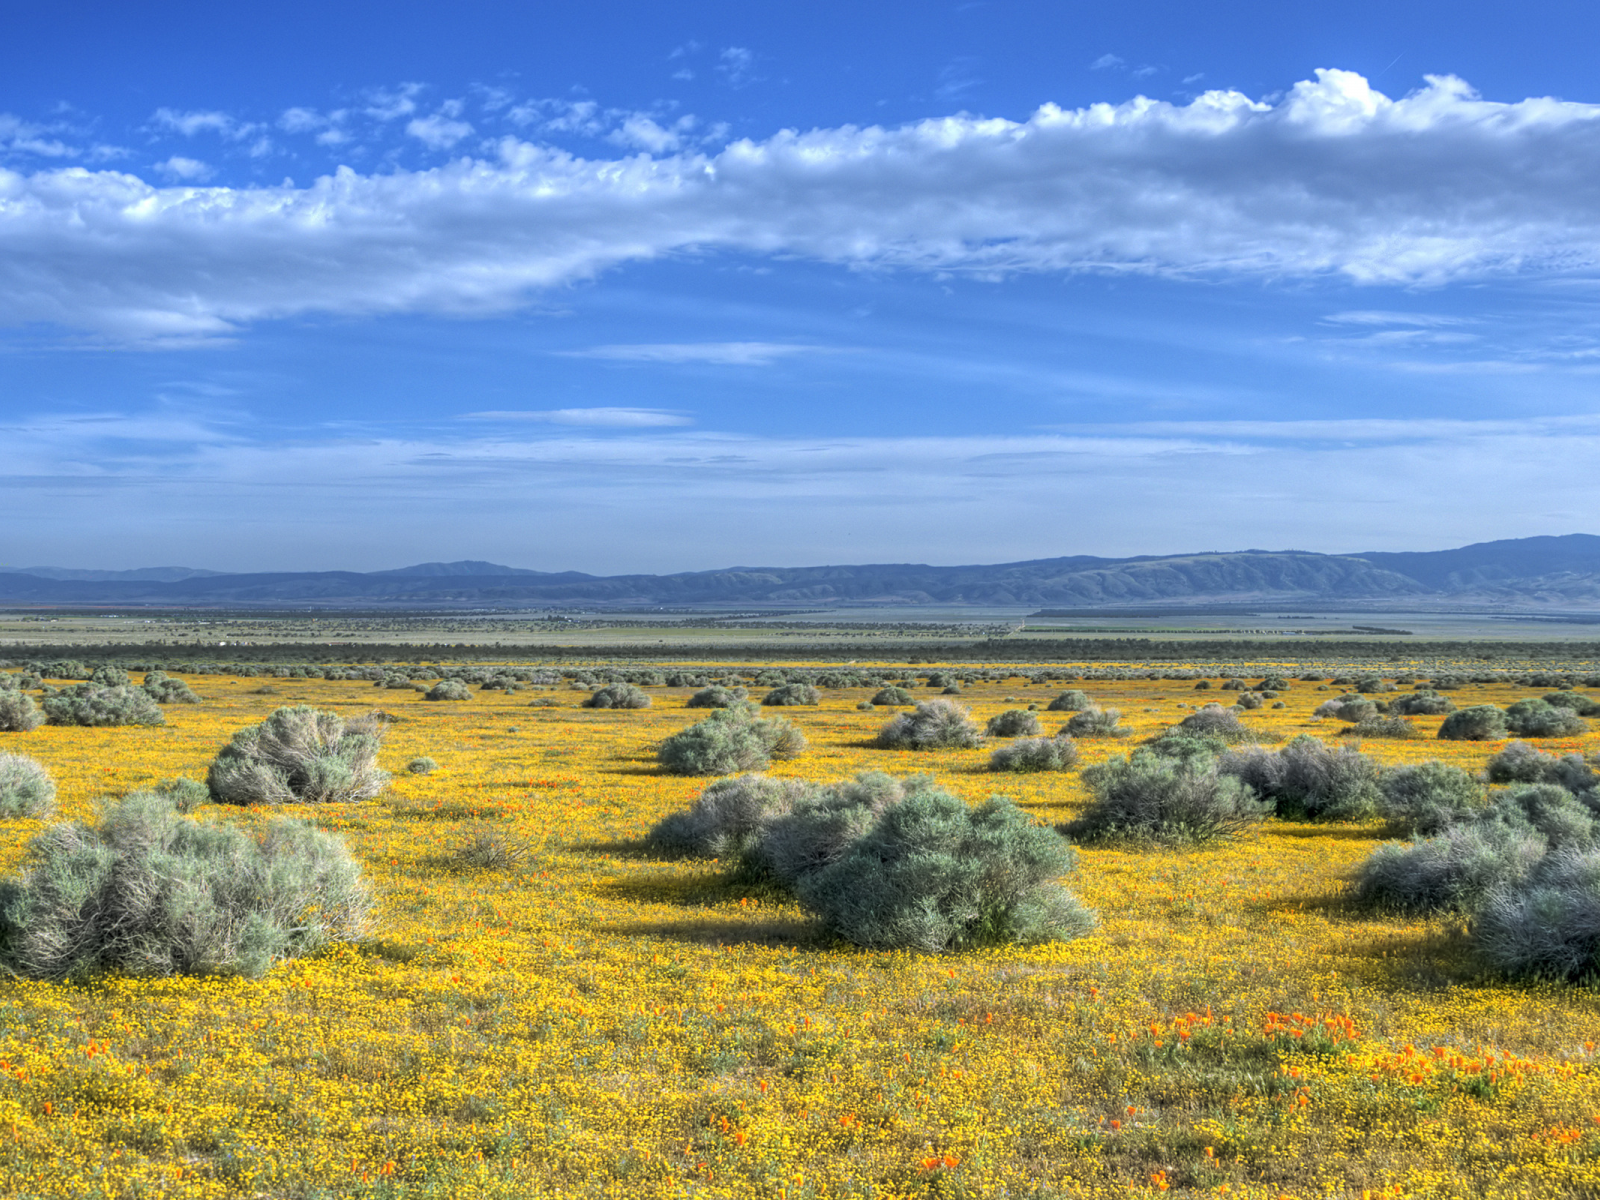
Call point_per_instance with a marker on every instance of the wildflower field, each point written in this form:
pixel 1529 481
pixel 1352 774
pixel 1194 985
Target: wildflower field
pixel 585 1019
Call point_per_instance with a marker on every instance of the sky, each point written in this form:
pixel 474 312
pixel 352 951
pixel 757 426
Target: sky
pixel 625 287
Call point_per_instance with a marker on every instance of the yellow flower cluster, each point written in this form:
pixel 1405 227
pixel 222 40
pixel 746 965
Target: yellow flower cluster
pixel 594 1021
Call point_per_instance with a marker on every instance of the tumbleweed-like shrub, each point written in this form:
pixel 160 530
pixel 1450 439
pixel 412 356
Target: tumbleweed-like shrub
pixel 932 725
pixel 1212 721
pixel 716 696
pixel 1424 703
pixel 893 696
pixel 1071 700
pixel 1547 924
pixel 448 689
pixel 149 892
pixel 1430 797
pixel 1094 722
pixel 792 694
pixel 26 789
pixel 1350 708
pixel 1456 869
pixel 90 704
pixel 824 822
pixel 18 712
pixel 300 755
pixel 1149 797
pixel 422 765
pixel 1014 722
pixel 726 820
pixel 1480 723
pixel 1308 778
pixel 618 695
pixel 933 875
pixel 728 741
pixel 1057 753
pixel 1536 718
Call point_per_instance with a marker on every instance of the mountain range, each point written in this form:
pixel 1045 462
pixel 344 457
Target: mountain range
pixel 1535 571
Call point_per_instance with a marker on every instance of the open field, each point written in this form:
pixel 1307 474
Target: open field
pixel 596 1021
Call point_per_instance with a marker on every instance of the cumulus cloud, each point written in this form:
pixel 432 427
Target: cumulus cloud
pixel 1334 178
pixel 609 418
pixel 740 354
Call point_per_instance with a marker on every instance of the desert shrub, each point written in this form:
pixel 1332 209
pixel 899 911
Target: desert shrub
pixel 1094 722
pixel 893 696
pixel 1212 721
pixel 1273 683
pixel 149 892
pixel 792 694
pixel 109 677
pixel 1536 718
pixel 726 820
pixel 1429 797
pixel 89 704
pixel 1576 701
pixel 300 755
pixel 1522 763
pixel 26 789
pixel 1424 703
pixel 1546 924
pixel 185 795
pixel 1150 797
pixel 1547 808
pixel 448 689
pixel 1480 723
pixel 163 689
pixel 1235 685
pixel 953 690
pixel 1369 684
pixel 824 822
pixel 716 696
pixel 422 765
pixel 932 725
pixel 1203 686
pixel 1248 700
pixel 1014 722
pixel 1070 701
pixel 1308 778
pixel 933 875
pixel 1347 708
pixel 728 741
pixel 492 850
pixel 1057 753
pixel 618 695
pixel 18 712
pixel 1385 727
pixel 1457 869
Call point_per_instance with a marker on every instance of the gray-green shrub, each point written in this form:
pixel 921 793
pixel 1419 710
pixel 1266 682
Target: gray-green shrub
pixel 1057 753
pixel 164 689
pixel 792 694
pixel 422 765
pixel 1307 778
pixel 1385 727
pixel 726 819
pixel 933 875
pixel 448 689
pixel 1583 705
pixel 300 755
pixel 716 696
pixel 90 704
pixel 1071 700
pixel 18 712
pixel 1212 721
pixel 618 695
pixel 149 892
pixel 1480 723
pixel 893 697
pixel 26 789
pixel 932 725
pixel 1546 924
pixel 1347 708
pixel 1094 722
pixel 1456 869
pixel 185 795
pixel 1430 797
pixel 1149 797
pixel 1536 718
pixel 728 741
pixel 1014 722
pixel 1422 703
pixel 109 676
pixel 823 822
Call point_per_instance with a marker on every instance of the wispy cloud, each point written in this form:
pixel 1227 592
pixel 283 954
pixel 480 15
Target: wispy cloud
pixel 606 418
pixel 732 354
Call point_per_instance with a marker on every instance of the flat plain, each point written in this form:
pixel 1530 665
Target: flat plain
pixel 593 1020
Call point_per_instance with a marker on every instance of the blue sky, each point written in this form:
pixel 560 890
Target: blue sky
pixel 622 287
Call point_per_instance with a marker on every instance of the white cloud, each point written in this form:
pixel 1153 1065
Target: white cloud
pixel 1379 317
pixel 742 354
pixel 390 104
pixel 1106 61
pixel 301 120
pixel 1333 179
pixel 27 137
pixel 609 418
pixel 643 133
pixel 438 132
pixel 736 65
pixel 191 170
pixel 191 123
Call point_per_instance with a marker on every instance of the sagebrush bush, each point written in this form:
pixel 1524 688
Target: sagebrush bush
pixel 1422 703
pixel 1248 700
pixel 1547 808
pixel 822 823
pixel 1150 797
pixel 1456 869
pixel 149 892
pixel 1094 722
pixel 1014 722
pixel 109 677
pixel 1480 723
pixel 26 789
pixel 716 696
pixel 792 694
pixel 1547 924
pixel 492 850
pixel 90 704
pixel 164 689
pixel 1522 763
pixel 1347 708
pixel 1583 705
pixel 728 741
pixel 618 695
pixel 933 875
pixel 1385 727
pixel 1212 721
pixel 422 765
pixel 1307 778
pixel 448 689
pixel 1070 701
pixel 185 795
pixel 1536 718
pixel 300 755
pixel 18 712
pixel 1057 753
pixel 894 697
pixel 932 725
pixel 1430 797
pixel 1369 684
pixel 726 820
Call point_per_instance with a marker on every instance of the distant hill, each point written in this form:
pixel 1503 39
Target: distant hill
pixel 1537 571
